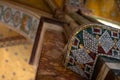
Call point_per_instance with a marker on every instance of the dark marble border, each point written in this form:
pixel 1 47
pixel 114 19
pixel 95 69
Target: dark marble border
pixel 42 20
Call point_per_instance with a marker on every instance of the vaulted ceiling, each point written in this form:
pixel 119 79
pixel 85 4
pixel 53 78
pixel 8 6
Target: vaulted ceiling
pixel 108 9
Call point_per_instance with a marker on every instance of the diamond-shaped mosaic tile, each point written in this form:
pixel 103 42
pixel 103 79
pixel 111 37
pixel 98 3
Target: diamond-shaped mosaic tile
pixel 71 60
pixel 96 30
pixel 82 56
pixel 90 42
pixel 106 41
pixel 116 53
pixel 114 34
pixel 88 69
pixel 75 42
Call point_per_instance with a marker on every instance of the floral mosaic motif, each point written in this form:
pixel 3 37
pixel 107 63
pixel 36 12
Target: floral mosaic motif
pixel 106 41
pixel 7 15
pixel 26 23
pixel 77 70
pixel 82 56
pixel 16 18
pixel 90 42
pixel 75 42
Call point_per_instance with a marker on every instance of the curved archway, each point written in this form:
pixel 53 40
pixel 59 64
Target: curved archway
pixel 19 19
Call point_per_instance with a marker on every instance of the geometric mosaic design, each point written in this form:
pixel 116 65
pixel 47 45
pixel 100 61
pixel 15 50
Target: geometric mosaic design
pixel 118 44
pixel 97 30
pixel 114 34
pixel 82 56
pixel 88 69
pixel 116 53
pixel 76 42
pixel 71 60
pixel 106 41
pixel 90 42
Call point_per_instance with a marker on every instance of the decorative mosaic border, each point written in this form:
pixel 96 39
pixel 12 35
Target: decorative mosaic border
pixel 22 22
pixel 109 33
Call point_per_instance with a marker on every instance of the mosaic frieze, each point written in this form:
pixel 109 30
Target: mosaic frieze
pixel 7 15
pixel 90 41
pixel 25 23
pixel 16 18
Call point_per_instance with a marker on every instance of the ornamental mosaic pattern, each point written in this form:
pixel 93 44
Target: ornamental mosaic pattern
pixel 76 42
pixel 116 53
pixel 82 56
pixel 91 41
pixel 7 15
pixel 118 44
pixel 16 18
pixel 25 23
pixel 88 69
pixel 106 41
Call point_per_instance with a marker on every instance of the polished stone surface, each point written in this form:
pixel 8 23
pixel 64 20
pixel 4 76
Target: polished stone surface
pixel 51 62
